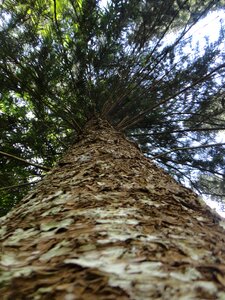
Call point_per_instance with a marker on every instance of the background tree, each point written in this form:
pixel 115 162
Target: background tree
pixel 61 62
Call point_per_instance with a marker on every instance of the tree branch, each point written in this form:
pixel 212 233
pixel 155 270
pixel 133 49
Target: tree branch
pixel 64 53
pixel 177 131
pixel 25 161
pixel 186 148
pixel 18 185
pixel 214 194
pixel 186 176
pixel 55 13
pixel 177 162
pixel 142 114
pixel 106 110
pixel 110 106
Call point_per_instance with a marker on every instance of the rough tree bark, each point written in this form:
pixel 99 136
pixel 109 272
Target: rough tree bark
pixel 106 223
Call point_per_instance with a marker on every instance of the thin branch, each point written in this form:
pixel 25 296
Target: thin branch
pixel 194 167
pixel 75 11
pixel 55 13
pixel 117 102
pixel 186 148
pixel 184 175
pixel 163 54
pixel 141 115
pixel 25 161
pixel 13 78
pixel 18 185
pixel 213 194
pixel 177 131
pixel 67 62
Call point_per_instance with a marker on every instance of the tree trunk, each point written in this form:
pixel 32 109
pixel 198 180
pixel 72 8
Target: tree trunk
pixel 106 223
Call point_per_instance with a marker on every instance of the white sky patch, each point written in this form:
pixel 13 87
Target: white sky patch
pixel 30 115
pixel 221 137
pixel 215 205
pixel 208 27
pixel 103 3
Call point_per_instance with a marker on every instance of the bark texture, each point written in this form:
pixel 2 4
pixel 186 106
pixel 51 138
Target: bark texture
pixel 106 223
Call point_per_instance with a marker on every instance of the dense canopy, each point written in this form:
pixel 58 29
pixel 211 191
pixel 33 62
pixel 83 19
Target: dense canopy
pixel 131 62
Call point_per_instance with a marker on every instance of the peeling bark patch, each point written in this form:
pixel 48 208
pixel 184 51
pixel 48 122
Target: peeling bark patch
pixel 106 223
